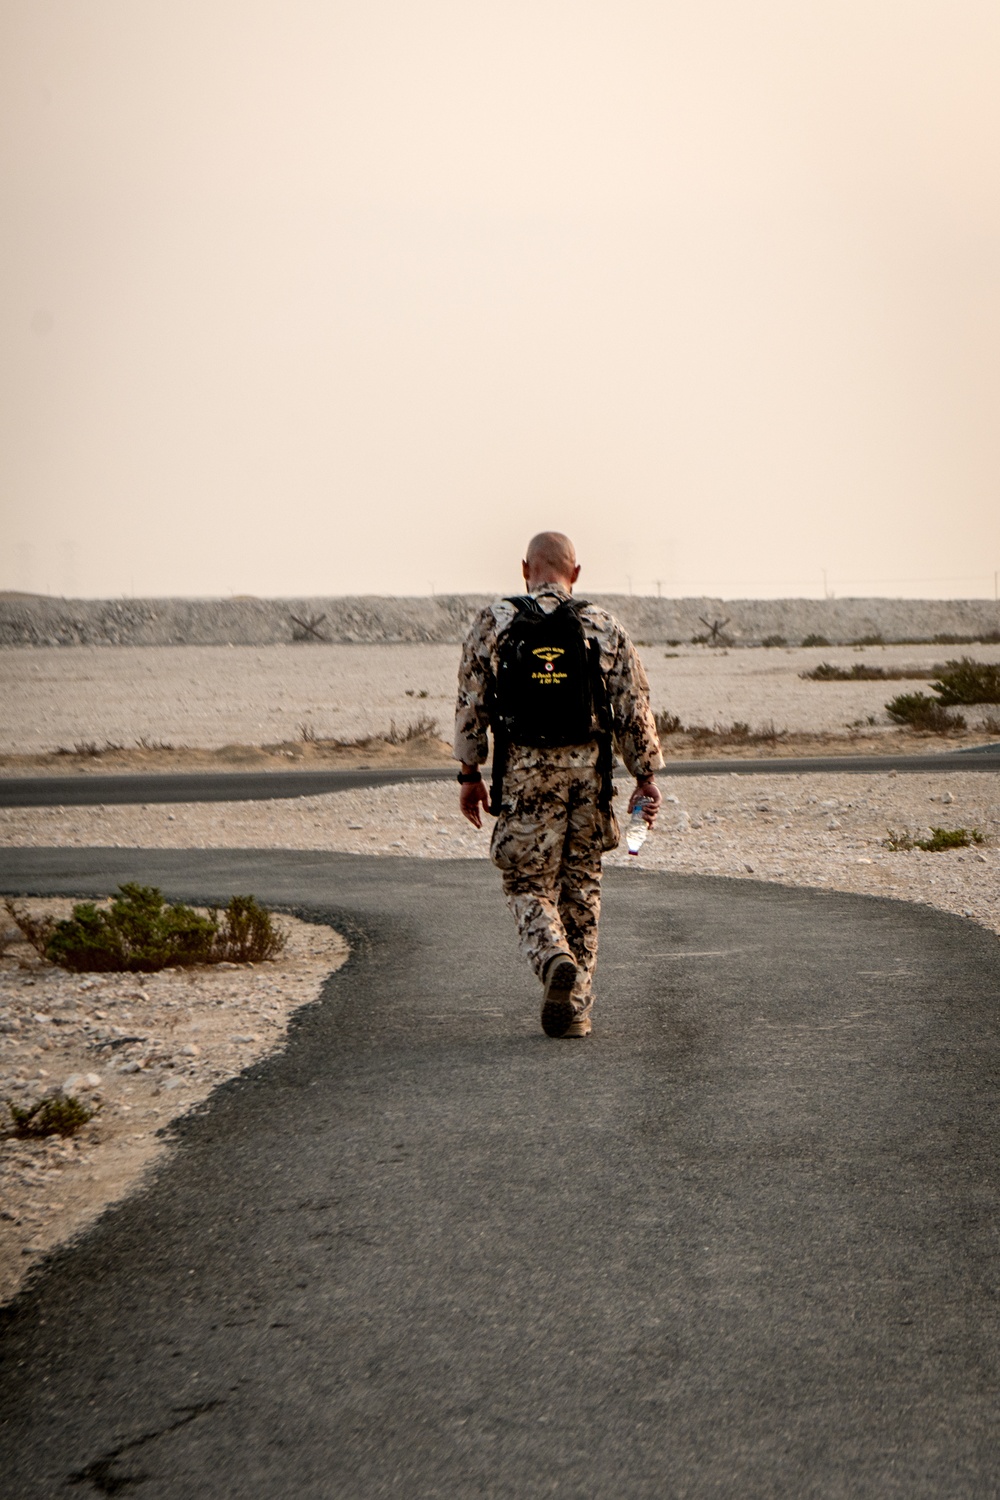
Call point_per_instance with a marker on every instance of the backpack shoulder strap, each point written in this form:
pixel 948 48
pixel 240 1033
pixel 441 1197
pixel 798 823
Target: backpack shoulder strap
pixel 524 604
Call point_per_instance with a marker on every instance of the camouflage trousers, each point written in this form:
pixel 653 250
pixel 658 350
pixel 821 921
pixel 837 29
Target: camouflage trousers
pixel 547 843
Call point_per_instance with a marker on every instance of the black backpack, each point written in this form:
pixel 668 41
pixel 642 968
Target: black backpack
pixel 544 691
pixel 549 689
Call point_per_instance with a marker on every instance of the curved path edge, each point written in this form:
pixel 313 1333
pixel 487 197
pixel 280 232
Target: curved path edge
pixel 740 1242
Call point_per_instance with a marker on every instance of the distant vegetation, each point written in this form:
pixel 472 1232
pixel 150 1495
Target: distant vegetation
pixel 918 711
pixel 961 681
pixel 737 733
pixel 861 671
pixel 968 681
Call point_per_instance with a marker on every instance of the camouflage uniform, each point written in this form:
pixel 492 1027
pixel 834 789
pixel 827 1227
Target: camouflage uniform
pixel 551 831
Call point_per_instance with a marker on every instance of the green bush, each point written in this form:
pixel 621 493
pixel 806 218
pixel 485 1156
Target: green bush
pixel 968 681
pixel 245 933
pixel 940 840
pixel 141 932
pixel 56 1114
pixel 950 838
pixel 921 712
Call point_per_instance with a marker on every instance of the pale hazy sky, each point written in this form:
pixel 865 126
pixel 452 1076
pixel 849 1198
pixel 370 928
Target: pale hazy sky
pixel 306 296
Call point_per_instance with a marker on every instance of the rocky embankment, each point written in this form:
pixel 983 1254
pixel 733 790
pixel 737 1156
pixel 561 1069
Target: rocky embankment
pixel 39 620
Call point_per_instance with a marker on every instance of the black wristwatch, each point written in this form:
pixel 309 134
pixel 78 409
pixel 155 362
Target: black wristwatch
pixel 469 778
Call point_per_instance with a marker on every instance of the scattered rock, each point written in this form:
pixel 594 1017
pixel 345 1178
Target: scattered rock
pixel 77 1081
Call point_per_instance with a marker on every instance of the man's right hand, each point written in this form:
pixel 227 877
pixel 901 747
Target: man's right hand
pixel 471 798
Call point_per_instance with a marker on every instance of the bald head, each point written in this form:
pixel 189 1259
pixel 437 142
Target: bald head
pixel 550 558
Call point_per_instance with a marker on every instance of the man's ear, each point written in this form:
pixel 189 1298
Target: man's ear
pixel 576 573
pixel 525 573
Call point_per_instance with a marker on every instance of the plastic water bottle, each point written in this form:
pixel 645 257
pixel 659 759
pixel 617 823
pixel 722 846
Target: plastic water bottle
pixel 638 829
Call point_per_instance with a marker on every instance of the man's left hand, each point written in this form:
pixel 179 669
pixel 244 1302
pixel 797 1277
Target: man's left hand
pixel 648 789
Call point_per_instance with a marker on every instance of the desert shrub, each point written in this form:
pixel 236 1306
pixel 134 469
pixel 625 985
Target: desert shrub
pixel 667 723
pixel 951 838
pixel 140 932
pixel 774 640
pixel 940 840
pixel 56 1114
pixel 968 681
pixel 897 842
pixel 870 640
pixel 245 933
pixel 918 711
pixel 862 672
pixel 986 638
pixel 424 728
pixel 991 724
pixel 713 638
pixel 36 930
pixel 737 733
pixel 815 640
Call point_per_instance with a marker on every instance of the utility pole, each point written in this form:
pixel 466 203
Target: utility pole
pixel 659 587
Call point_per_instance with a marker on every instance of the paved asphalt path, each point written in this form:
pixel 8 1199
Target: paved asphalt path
pixel 742 1242
pixel 259 786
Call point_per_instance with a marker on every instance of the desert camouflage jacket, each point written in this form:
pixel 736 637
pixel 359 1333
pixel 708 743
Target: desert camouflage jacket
pixel 628 686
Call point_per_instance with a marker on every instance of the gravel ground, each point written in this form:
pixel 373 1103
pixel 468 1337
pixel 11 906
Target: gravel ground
pixel 210 696
pixel 820 830
pixel 143 1049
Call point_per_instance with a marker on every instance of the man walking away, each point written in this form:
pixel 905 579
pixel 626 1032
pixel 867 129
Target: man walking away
pixel 555 681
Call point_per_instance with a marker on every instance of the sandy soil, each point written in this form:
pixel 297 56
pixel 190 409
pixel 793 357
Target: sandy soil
pixel 142 1049
pixel 214 696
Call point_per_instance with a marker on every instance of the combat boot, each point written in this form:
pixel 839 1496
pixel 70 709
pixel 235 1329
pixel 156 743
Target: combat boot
pixel 558 1010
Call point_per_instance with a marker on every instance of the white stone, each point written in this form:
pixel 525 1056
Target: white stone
pixel 189 1049
pixel 77 1081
